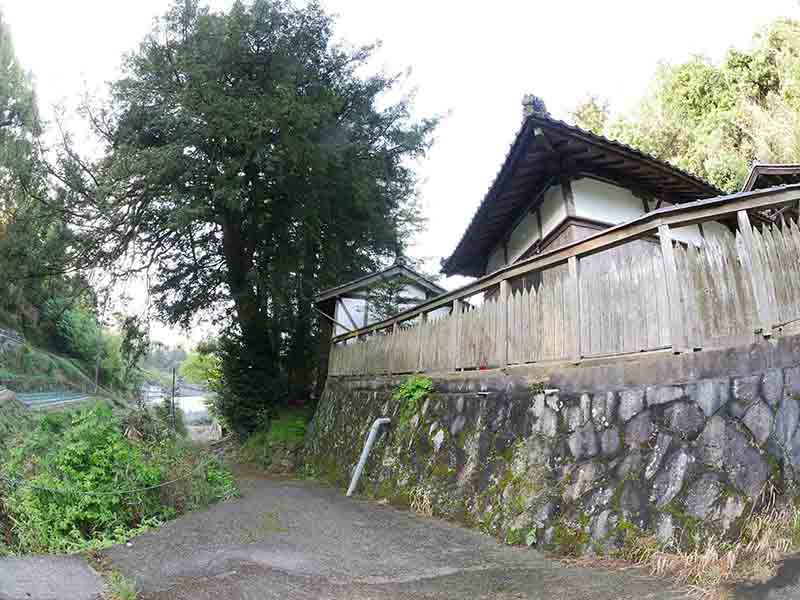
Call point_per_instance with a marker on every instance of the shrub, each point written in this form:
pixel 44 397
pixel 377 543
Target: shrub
pixel 80 483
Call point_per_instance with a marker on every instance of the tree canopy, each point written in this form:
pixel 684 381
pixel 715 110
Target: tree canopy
pixel 251 160
pixel 715 120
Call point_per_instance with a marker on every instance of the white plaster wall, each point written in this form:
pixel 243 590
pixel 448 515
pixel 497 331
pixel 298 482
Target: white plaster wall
pixel 712 228
pixel 552 209
pixel 356 307
pixel 523 236
pixel 438 313
pixel 689 234
pixel 605 203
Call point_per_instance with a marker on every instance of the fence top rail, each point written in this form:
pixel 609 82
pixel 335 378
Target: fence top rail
pixel 679 215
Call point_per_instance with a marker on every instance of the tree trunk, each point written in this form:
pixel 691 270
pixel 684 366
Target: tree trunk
pixel 240 267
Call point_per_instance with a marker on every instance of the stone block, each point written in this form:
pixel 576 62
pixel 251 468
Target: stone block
pixel 583 442
pixel 609 442
pixel 772 386
pixel 457 426
pixel 669 481
pixel 746 389
pixel 665 529
pixel 547 424
pixel 725 447
pixel 633 502
pixel 603 524
pixel 703 494
pixel 685 419
pixel 786 419
pixel 631 403
pixel 711 443
pixel 791 380
pixel 599 500
pixel 630 465
pixel 759 420
pixel 663 394
pixel 604 409
pixel 638 430
pixel 575 416
pixel 657 455
pixel 584 478
pixel 711 394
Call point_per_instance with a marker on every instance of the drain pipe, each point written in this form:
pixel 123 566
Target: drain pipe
pixel 373 434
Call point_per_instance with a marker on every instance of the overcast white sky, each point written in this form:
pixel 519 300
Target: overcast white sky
pixel 470 60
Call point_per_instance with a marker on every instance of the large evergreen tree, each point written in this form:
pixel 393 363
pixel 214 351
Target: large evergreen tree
pixel 252 163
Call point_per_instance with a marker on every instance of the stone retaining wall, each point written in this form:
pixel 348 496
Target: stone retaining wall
pixel 671 445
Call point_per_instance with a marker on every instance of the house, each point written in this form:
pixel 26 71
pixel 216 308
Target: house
pixel 586 248
pixel 559 184
pixel 370 298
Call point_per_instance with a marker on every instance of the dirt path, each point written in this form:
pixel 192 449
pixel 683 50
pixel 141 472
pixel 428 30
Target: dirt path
pixel 292 540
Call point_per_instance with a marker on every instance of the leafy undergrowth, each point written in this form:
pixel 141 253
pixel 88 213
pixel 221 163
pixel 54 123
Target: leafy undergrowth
pixel 277 448
pixel 88 479
pixel 714 565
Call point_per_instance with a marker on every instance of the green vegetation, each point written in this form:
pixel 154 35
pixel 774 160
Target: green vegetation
pixel 121 587
pixel 325 193
pixel 276 447
pixel 410 394
pixel 201 368
pixel 88 479
pixel 715 120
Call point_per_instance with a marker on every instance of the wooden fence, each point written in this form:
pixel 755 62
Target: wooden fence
pixel 596 299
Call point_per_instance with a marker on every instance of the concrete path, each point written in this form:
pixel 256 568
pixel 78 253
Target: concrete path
pixel 48 578
pixel 299 540
pixel 784 586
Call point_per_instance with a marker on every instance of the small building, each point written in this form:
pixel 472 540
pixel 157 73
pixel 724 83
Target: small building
pixel 560 183
pixel 366 300
pixel 375 296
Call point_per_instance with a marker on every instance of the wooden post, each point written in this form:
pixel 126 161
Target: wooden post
pixel 423 319
pixel 755 267
pixel 505 288
pixel 393 349
pixel 575 307
pixel 455 352
pixel 677 329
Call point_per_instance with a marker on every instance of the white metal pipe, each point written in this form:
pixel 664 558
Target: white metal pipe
pixel 373 434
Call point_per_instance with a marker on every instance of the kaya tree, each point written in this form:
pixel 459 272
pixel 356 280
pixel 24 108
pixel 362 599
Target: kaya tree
pixel 251 162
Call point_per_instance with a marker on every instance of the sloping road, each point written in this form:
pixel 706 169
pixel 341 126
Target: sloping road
pixel 293 540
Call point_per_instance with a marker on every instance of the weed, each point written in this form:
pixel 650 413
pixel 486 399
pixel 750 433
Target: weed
pixel 410 394
pixel 421 502
pixel 121 587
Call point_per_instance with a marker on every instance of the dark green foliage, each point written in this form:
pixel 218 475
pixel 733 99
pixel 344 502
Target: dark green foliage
pixel 282 440
pixel 79 482
pixel 411 393
pixel 173 419
pixel 255 161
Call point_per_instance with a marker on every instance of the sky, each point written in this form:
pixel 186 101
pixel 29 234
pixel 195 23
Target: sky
pixel 470 62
